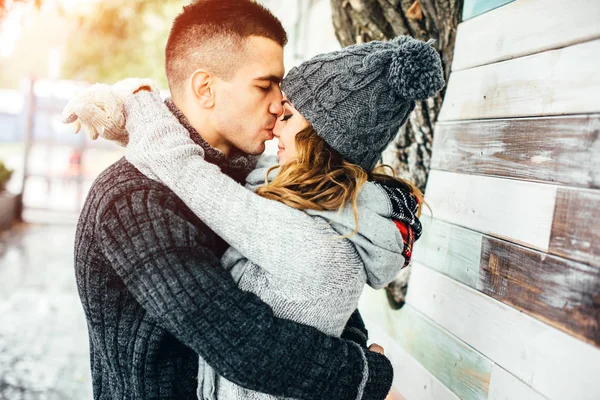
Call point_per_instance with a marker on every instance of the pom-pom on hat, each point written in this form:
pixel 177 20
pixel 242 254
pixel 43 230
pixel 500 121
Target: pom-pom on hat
pixel 357 98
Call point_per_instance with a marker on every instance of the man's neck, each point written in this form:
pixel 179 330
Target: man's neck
pixel 236 165
pixel 210 136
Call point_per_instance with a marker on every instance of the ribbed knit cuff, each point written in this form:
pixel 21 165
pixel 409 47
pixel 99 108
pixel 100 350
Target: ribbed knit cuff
pixel 145 107
pixel 356 330
pixel 355 335
pixel 381 375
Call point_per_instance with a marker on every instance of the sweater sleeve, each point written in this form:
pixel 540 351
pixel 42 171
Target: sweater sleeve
pixel 355 330
pixel 165 261
pixel 286 242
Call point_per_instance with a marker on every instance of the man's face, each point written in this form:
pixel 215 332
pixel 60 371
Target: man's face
pixel 247 106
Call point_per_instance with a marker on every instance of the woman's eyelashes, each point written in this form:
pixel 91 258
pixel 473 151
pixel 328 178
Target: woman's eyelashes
pixel 286 117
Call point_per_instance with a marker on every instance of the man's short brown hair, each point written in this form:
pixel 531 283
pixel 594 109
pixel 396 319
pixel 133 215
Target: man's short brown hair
pixel 210 34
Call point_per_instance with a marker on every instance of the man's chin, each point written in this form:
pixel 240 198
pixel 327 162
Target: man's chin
pixel 258 150
pixel 255 150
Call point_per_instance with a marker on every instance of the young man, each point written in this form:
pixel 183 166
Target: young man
pixel 148 271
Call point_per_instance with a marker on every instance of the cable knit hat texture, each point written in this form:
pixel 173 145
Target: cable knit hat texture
pixel 357 98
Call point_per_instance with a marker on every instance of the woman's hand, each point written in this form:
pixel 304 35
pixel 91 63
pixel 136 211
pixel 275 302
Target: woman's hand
pixel 393 394
pixel 99 109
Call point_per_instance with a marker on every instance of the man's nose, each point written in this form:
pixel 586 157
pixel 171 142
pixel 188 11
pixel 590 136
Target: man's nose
pixel 276 108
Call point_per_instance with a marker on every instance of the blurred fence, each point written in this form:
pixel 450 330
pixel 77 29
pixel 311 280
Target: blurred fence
pixel 54 168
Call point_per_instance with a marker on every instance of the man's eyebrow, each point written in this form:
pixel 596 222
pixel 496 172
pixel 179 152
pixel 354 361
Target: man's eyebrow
pixel 273 78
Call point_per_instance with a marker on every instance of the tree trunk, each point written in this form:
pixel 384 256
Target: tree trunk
pixel 358 21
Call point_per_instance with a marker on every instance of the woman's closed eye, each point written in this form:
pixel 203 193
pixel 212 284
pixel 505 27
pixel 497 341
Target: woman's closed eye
pixel 286 117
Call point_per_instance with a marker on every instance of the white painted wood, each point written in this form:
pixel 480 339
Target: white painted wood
pixel 519 211
pixel 555 82
pixel 525 27
pixel 550 361
pixel 411 379
pixel 505 386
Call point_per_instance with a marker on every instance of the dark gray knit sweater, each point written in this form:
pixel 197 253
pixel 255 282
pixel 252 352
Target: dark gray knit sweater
pixel 155 297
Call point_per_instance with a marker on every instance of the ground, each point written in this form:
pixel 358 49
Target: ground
pixel 43 335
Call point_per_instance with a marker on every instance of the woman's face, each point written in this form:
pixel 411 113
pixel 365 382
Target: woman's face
pixel 288 125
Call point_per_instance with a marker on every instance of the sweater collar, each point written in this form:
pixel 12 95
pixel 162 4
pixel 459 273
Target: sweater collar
pixel 237 166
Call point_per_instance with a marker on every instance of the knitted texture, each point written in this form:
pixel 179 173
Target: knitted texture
pixel 357 98
pixel 295 262
pixel 356 330
pixel 404 206
pixel 99 109
pixel 155 297
pixel 237 165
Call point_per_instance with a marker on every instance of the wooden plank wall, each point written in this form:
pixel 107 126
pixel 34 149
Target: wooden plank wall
pixel 504 297
pixel 473 8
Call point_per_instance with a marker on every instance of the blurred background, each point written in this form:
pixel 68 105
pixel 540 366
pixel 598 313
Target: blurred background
pixel 50 49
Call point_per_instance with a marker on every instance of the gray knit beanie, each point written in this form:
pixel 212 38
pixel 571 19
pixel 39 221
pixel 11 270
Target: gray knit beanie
pixel 357 98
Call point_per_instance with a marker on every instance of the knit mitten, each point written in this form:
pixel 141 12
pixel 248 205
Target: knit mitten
pixel 100 109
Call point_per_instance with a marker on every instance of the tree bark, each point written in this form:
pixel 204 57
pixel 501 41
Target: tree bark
pixel 358 21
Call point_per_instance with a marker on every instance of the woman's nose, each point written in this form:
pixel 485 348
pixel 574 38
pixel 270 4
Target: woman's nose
pixel 276 129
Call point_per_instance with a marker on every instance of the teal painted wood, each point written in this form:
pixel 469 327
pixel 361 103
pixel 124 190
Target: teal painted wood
pixel 449 249
pixel 463 370
pixel 473 8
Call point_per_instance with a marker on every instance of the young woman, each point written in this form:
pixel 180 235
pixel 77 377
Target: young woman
pixel 316 227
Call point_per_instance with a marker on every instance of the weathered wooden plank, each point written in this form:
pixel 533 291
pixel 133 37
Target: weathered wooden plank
pixel 518 210
pixel 555 82
pixel 576 226
pixel 521 212
pixel 561 292
pixel 552 149
pixel 450 249
pixel 473 8
pixel 505 386
pixel 548 360
pixel 456 365
pixel 464 371
pixel 411 379
pixel 522 28
pixel 414 382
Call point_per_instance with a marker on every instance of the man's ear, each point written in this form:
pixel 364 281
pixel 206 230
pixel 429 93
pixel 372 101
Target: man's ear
pixel 203 87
